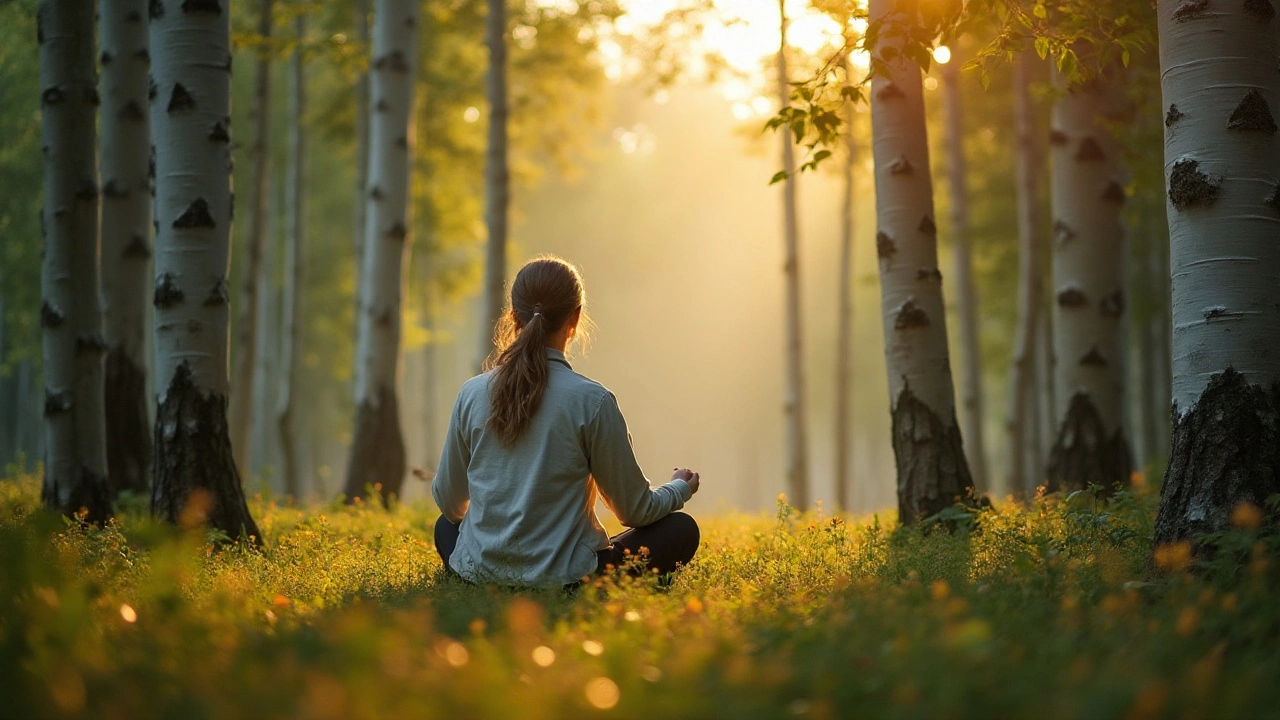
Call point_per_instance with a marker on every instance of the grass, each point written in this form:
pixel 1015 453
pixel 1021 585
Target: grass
pixel 1025 611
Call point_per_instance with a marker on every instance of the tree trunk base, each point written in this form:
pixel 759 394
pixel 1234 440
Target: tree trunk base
pixel 128 430
pixel 932 472
pixel 1083 454
pixel 377 451
pixel 89 500
pixel 1226 451
pixel 196 481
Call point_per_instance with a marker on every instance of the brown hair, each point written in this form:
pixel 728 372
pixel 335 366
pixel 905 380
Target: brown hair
pixel 545 294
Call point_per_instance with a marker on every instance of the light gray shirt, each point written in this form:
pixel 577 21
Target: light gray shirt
pixel 527 510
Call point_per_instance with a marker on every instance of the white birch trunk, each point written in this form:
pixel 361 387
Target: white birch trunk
pixel 1028 167
pixel 1218 65
pixel 249 306
pixel 1090 447
pixel 126 239
pixel 75 473
pixel 362 142
pixel 196 479
pixel 844 334
pixel 971 398
pixel 797 454
pixel 265 371
pixel 287 418
pixel 377 456
pixel 928 449
pixel 497 178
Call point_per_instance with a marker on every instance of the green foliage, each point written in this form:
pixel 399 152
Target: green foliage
pixel 1040 610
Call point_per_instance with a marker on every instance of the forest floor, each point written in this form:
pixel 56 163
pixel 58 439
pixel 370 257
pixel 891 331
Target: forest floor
pixel 1040 610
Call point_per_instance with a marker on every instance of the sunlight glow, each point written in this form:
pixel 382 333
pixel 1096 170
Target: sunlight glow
pixel 930 83
pixel 129 614
pixel 602 693
pixel 942 54
pixel 456 654
pixel 543 656
pixel 593 648
pixel 471 114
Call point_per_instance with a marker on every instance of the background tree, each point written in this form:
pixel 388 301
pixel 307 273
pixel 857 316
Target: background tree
pixel 196 478
pixel 1219 80
pixel 126 240
pixel 377 449
pixel 75 474
pixel 497 177
pixel 844 315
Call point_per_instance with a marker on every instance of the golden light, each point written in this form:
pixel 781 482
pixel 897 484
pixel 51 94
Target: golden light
pixel 543 656
pixel 942 54
pixel 650 673
pixel 129 614
pixel 602 693
pixel 471 114
pixel 930 83
pixel 456 654
pixel 631 616
pixel 591 647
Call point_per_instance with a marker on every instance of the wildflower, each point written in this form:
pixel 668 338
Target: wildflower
pixel 939 589
pixel 1187 621
pixel 1174 557
pixel 1246 515
pixel 631 616
pixel 693 606
pixel 280 601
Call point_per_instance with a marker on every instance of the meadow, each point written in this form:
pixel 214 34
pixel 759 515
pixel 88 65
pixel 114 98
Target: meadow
pixel 1054 608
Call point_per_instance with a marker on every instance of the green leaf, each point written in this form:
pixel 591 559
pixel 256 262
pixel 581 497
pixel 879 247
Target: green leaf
pixel 820 156
pixel 1124 58
pixel 1040 11
pixel 1042 47
pixel 778 177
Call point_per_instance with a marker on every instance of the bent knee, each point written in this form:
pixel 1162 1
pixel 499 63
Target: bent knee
pixel 686 526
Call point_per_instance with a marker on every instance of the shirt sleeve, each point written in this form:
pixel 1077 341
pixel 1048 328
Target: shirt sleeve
pixel 449 488
pixel 622 483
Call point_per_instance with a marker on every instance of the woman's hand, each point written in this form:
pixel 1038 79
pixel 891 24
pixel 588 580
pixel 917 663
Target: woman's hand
pixel 688 476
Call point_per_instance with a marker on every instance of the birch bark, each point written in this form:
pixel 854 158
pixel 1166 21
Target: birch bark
pixel 75 473
pixel 196 478
pixel 497 178
pixel 1090 446
pixel 928 449
pixel 294 272
pixel 377 457
pixel 126 239
pixel 249 304
pixel 797 455
pixel 1220 86
pixel 844 334
pixel 971 399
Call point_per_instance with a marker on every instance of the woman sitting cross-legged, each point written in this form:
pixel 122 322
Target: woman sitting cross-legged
pixel 531 444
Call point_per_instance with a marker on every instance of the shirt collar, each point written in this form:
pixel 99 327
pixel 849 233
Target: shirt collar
pixel 557 356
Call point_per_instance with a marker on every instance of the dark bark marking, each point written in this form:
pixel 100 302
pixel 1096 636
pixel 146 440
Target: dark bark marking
pixel 1114 193
pixel 885 247
pixel 928 226
pixel 156 9
pixel 133 16
pixel 152 90
pixel 217 296
pixel 1252 114
pixel 137 248
pixel 1057 137
pixel 131 111
pixel 889 91
pixel 376 193
pixel 180 99
pixel 105 58
pixel 1093 358
pixel 932 471
pixel 381 105
pixel 1220 312
pixel 52 95
pixel 207 7
pixel 127 427
pixel 397 231
pixel 1083 454
pixel 393 61
pixel 86 189
pixel 377 458
pixel 383 319
pixel 1274 199
pixel 1173 116
pixel 1188 187
pixel 1062 232
pixel 89 501
pixel 56 403
pixel 113 189
pixel 50 317
pixel 1072 297
pixel 167 293
pixel 901 166
pixel 1261 10
pixel 196 215
pixel 196 481
pixel 910 315
pixel 926 274
pixel 402 142
pixel 144 55
pixel 1190 10
pixel 1225 451
pixel 1090 150
pixel 218 133
pixel 1113 304
pixel 90 345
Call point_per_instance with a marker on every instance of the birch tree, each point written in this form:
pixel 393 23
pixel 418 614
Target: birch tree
pixel 377 457
pixel 797 454
pixel 1218 64
pixel 1090 447
pixel 126 239
pixel 196 478
pixel 1022 367
pixel 497 177
pixel 966 298
pixel 249 305
pixel 295 270
pixel 928 449
pixel 844 333
pixel 75 473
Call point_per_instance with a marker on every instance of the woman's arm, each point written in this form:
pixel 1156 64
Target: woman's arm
pixel 449 489
pixel 621 481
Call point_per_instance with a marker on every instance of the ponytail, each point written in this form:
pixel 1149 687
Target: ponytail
pixel 544 296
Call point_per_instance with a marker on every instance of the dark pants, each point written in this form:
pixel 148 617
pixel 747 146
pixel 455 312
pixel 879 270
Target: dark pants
pixel 670 543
